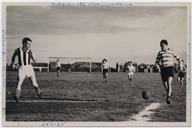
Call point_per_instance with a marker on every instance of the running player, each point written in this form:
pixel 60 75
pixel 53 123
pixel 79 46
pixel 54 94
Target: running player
pixel 182 73
pixel 164 60
pixel 58 66
pixel 25 56
pixel 105 69
pixel 130 70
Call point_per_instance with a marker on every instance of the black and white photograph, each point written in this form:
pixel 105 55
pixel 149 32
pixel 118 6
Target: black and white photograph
pixel 96 64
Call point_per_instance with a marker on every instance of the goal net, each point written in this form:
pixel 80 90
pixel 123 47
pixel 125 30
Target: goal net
pixel 71 64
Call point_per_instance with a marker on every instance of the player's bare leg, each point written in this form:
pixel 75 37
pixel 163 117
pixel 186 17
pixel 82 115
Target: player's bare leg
pixel 18 89
pixel 58 73
pixel 165 84
pixel 106 77
pixel 181 81
pixel 130 78
pixel 131 81
pixel 170 86
pixel 169 91
pixel 178 79
pixel 35 85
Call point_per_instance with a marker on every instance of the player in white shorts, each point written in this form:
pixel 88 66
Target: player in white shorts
pixel 58 66
pixel 130 70
pixel 25 56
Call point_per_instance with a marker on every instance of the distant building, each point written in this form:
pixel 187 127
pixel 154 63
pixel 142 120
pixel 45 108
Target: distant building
pixel 141 67
pixel 85 66
pixel 146 68
pixel 136 66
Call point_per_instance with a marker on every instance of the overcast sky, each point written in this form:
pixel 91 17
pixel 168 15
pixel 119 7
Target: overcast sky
pixel 100 32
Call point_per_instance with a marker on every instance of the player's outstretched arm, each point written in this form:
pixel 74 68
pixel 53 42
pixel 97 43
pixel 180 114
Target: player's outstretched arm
pixel 102 68
pixel 13 58
pixel 178 58
pixel 32 57
pixel 157 60
pixel 133 69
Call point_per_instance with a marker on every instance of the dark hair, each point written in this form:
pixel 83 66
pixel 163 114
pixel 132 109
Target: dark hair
pixel 129 62
pixel 26 39
pixel 104 60
pixel 163 42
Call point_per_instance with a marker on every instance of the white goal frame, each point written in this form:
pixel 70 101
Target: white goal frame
pixel 72 58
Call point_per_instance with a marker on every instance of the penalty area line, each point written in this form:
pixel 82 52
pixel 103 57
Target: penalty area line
pixel 145 114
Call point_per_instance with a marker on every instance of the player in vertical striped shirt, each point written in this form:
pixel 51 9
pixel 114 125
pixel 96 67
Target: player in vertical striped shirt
pixel 165 60
pixel 25 56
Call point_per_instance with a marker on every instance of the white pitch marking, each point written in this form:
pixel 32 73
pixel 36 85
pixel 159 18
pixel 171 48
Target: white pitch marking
pixel 51 101
pixel 144 115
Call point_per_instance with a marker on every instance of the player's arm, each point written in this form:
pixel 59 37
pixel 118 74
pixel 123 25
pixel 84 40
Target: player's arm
pixel 32 57
pixel 157 61
pixel 133 69
pixel 101 67
pixel 13 58
pixel 178 58
pixel 184 69
pixel 126 68
pixel 182 66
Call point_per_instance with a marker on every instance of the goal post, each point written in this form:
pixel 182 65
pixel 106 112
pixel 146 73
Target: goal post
pixel 71 63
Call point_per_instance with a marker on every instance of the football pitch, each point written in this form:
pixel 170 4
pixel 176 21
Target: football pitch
pixel 82 96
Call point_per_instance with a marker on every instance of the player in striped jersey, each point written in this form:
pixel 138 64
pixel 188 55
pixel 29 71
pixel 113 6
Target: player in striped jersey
pixel 182 73
pixel 25 56
pixel 164 60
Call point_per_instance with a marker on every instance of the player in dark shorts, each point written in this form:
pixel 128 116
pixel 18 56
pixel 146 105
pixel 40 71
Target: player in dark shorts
pixel 167 72
pixel 182 73
pixel 105 68
pixel 105 71
pixel 58 68
pixel 164 61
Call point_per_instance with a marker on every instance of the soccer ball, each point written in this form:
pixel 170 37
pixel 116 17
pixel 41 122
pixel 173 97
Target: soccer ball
pixel 146 94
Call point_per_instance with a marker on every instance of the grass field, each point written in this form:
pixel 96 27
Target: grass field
pixel 85 97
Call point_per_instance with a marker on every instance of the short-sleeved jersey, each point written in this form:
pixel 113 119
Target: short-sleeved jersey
pixel 58 64
pixel 24 57
pixel 165 58
pixel 130 68
pixel 105 65
pixel 182 67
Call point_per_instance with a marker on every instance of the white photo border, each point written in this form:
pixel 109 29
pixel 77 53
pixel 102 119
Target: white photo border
pixel 98 124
